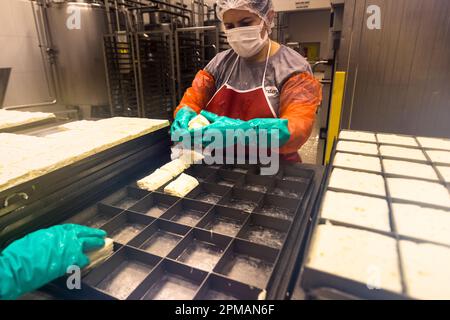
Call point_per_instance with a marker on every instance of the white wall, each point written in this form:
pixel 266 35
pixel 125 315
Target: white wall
pixel 20 51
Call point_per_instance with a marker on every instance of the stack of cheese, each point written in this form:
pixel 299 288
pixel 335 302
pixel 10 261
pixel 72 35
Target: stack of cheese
pixel 97 257
pixel 30 157
pixel 11 119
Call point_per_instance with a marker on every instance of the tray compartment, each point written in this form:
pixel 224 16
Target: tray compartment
pixel 217 287
pixel 160 237
pixel 121 274
pixel 155 204
pixel 240 199
pixel 289 189
pixel 172 281
pixel 267 231
pixel 278 207
pixel 248 263
pixel 223 220
pixel 242 168
pixel 208 192
pixel 257 183
pixel 200 172
pixel 296 174
pixel 125 198
pixel 188 212
pixel 226 178
pixel 201 249
pixel 95 216
pixel 126 226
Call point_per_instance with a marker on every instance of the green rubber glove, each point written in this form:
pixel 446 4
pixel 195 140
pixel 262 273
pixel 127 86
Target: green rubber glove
pixel 184 115
pixel 43 256
pixel 271 125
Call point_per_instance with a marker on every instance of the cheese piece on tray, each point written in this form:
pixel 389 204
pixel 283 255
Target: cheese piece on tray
pixel 409 169
pixel 181 186
pixel 348 160
pixel 357 147
pixel 426 268
pixel 357 135
pixel 445 172
pixel 439 156
pixel 434 143
pixel 154 181
pixel 401 152
pixel 190 157
pixel 357 181
pixel 198 122
pixel 355 209
pixel 396 139
pixel 355 254
pixel 99 256
pixel 174 167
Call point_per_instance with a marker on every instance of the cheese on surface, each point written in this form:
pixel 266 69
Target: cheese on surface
pixel 357 147
pixel 355 209
pixel 190 157
pixel 410 169
pixel 355 254
pixel 439 156
pixel 99 256
pixel 396 139
pixel 157 179
pixel 181 186
pixel 357 135
pixel 400 152
pixel 434 143
pixel 445 173
pixel 12 118
pixel 174 167
pixel 348 160
pixel 357 181
pixel 422 223
pixel 417 190
pixel 198 122
pixel 426 268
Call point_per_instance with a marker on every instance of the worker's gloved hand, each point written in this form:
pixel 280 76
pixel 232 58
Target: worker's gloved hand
pixel 43 256
pixel 271 126
pixel 180 124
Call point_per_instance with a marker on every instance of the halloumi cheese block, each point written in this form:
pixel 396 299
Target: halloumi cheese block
pixel 99 256
pixel 357 147
pixel 439 156
pixel 401 152
pixel 396 139
pixel 190 157
pixel 357 255
pixel 426 268
pixel 181 186
pixel 348 160
pixel 174 167
pixel 422 223
pixel 357 135
pixel 355 209
pixel 198 122
pixel 434 143
pixel 12 118
pixel 420 191
pixel 157 179
pixel 357 181
pixel 445 173
pixel 409 169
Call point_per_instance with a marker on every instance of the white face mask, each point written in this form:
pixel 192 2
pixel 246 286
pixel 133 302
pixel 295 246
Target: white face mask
pixel 247 41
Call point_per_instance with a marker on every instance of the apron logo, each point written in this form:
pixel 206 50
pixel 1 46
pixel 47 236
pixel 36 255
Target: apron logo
pixel 272 91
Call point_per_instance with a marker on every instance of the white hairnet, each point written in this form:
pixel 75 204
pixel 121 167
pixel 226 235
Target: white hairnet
pixel 258 7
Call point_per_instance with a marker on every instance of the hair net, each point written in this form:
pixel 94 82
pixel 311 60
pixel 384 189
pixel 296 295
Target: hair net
pixel 258 7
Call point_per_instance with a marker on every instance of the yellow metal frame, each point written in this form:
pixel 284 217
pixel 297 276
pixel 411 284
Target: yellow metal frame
pixel 334 121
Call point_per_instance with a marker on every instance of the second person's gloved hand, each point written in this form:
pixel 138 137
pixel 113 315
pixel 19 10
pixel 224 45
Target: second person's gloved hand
pixel 43 256
pixel 181 123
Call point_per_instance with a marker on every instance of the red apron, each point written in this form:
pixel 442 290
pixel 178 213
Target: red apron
pixel 245 104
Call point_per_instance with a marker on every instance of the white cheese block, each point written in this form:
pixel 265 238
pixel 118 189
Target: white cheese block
pixel 357 147
pixel 357 181
pixel 12 118
pixel 426 268
pixel 400 152
pixel 409 169
pixel 190 157
pixel 396 139
pixel 99 256
pixel 174 167
pixel 439 156
pixel 417 190
pixel 445 173
pixel 434 143
pixel 157 179
pixel 357 255
pixel 348 160
pixel 357 135
pixel 355 209
pixel 198 122
pixel 422 223
pixel 181 186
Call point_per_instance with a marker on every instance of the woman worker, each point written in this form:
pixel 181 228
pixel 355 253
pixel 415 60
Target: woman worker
pixel 257 84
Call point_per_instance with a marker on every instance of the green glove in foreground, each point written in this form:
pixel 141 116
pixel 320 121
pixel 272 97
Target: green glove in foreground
pixel 184 115
pixel 43 256
pixel 240 128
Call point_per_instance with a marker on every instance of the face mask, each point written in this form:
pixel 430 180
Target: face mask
pixel 246 41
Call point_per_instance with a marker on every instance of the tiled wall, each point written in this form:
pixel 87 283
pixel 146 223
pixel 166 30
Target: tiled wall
pixel 20 51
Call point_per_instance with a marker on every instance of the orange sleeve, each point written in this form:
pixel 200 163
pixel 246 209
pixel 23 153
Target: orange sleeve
pixel 197 96
pixel 300 97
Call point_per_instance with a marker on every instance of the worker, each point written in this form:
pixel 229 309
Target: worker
pixel 45 255
pixel 258 84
